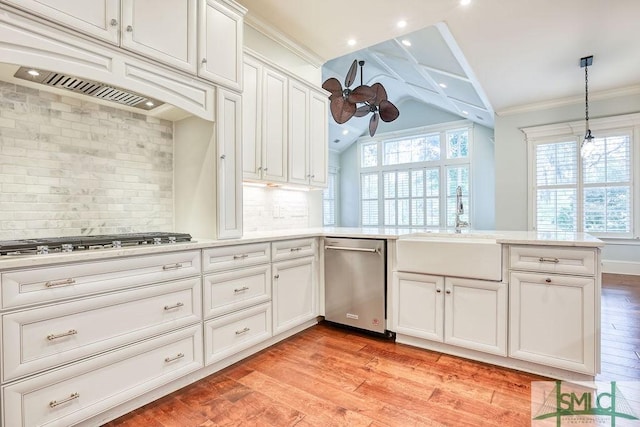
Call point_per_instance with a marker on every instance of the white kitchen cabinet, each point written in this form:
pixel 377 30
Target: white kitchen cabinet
pixel 264 122
pixel 554 306
pixel 229 144
pixel 161 29
pixel 220 42
pixel 227 335
pixel 476 314
pixel 79 391
pixel 552 320
pixel 236 289
pixel 420 306
pixel 274 126
pixel 98 18
pixel 235 256
pixel 308 145
pixel 252 118
pixel 294 293
pixel 467 313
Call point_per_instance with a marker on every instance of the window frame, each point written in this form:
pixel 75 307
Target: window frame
pixel 628 124
pixel 442 165
pixel 335 172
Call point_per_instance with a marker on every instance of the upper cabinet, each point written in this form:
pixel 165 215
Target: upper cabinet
pixel 284 127
pixel 98 18
pixel 161 29
pixel 203 38
pixel 220 42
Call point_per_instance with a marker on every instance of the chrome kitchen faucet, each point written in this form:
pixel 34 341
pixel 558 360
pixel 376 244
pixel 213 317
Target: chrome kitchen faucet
pixel 459 210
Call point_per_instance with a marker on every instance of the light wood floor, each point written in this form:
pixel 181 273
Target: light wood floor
pixel 326 376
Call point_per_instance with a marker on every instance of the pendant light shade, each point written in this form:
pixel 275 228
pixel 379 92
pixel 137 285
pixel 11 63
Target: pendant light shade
pixel 587 143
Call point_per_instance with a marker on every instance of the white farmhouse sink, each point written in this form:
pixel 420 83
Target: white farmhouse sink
pixel 476 256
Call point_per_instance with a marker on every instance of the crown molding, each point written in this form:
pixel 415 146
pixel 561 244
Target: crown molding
pixel 561 102
pixel 282 39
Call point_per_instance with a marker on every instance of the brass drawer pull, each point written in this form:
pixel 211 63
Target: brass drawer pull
pixel 171 307
pixel 176 357
pixel 242 289
pixel 55 403
pixel 172 266
pixel 242 331
pixel 549 260
pixel 64 282
pixel 70 332
pixel 242 256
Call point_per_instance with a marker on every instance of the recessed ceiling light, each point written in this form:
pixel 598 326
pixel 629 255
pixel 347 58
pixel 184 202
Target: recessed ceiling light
pixel 402 24
pixel 442 85
pixel 345 132
pixel 33 73
pixel 465 112
pixel 406 42
pixel 465 2
pixel 351 42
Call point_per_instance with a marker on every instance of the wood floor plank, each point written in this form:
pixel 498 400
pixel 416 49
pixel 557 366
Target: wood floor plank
pixel 328 376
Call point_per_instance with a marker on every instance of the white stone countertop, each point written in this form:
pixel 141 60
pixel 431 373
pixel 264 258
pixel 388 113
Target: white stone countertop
pixel 504 237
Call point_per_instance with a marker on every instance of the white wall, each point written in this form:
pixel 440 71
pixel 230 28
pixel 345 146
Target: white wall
pixel 483 181
pixel 511 164
pixel 349 188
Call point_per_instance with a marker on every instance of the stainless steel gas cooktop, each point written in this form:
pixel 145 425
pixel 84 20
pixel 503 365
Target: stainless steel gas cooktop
pixel 80 243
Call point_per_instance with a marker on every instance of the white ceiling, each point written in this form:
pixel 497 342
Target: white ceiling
pixel 519 51
pixel 493 55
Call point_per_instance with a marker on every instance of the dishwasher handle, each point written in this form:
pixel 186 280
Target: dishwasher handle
pixel 347 248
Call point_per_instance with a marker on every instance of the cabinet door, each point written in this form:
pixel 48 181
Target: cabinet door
pixel 476 315
pixel 274 130
pixel 298 133
pixel 419 306
pixel 318 139
pixel 161 29
pixel 229 143
pixel 252 119
pixel 552 320
pixel 98 18
pixel 220 43
pixel 294 293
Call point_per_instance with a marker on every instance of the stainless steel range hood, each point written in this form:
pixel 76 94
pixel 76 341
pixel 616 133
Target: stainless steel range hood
pixel 87 87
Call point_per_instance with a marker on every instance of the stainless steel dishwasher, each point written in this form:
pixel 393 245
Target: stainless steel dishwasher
pixel 355 282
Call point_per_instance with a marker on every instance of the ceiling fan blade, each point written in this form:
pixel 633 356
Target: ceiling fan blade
pixel 381 93
pixel 351 75
pixel 361 94
pixel 362 111
pixel 332 85
pixel 373 124
pixel 388 111
pixel 341 110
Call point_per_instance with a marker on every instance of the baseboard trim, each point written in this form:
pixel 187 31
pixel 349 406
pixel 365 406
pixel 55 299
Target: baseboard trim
pixel 621 267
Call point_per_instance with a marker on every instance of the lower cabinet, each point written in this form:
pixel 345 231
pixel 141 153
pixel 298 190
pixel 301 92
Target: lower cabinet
pixel 76 392
pixel 552 320
pixel 294 293
pixel 463 312
pixel 235 332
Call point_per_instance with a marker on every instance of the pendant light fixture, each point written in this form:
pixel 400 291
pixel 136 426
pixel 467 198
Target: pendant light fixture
pixel 587 143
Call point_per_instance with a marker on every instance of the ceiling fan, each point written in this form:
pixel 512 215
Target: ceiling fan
pixel 343 103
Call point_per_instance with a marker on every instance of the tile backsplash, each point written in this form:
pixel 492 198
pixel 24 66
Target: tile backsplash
pixel 274 209
pixel 69 166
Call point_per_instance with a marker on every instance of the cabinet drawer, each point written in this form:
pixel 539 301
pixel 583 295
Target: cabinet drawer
pixel 38 339
pixel 74 393
pixel 230 334
pixel 229 257
pixel 553 260
pixel 46 284
pixel 289 249
pixel 233 290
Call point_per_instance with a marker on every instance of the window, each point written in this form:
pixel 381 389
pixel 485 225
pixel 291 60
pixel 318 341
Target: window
pixel 329 200
pixel 411 181
pixel 588 192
